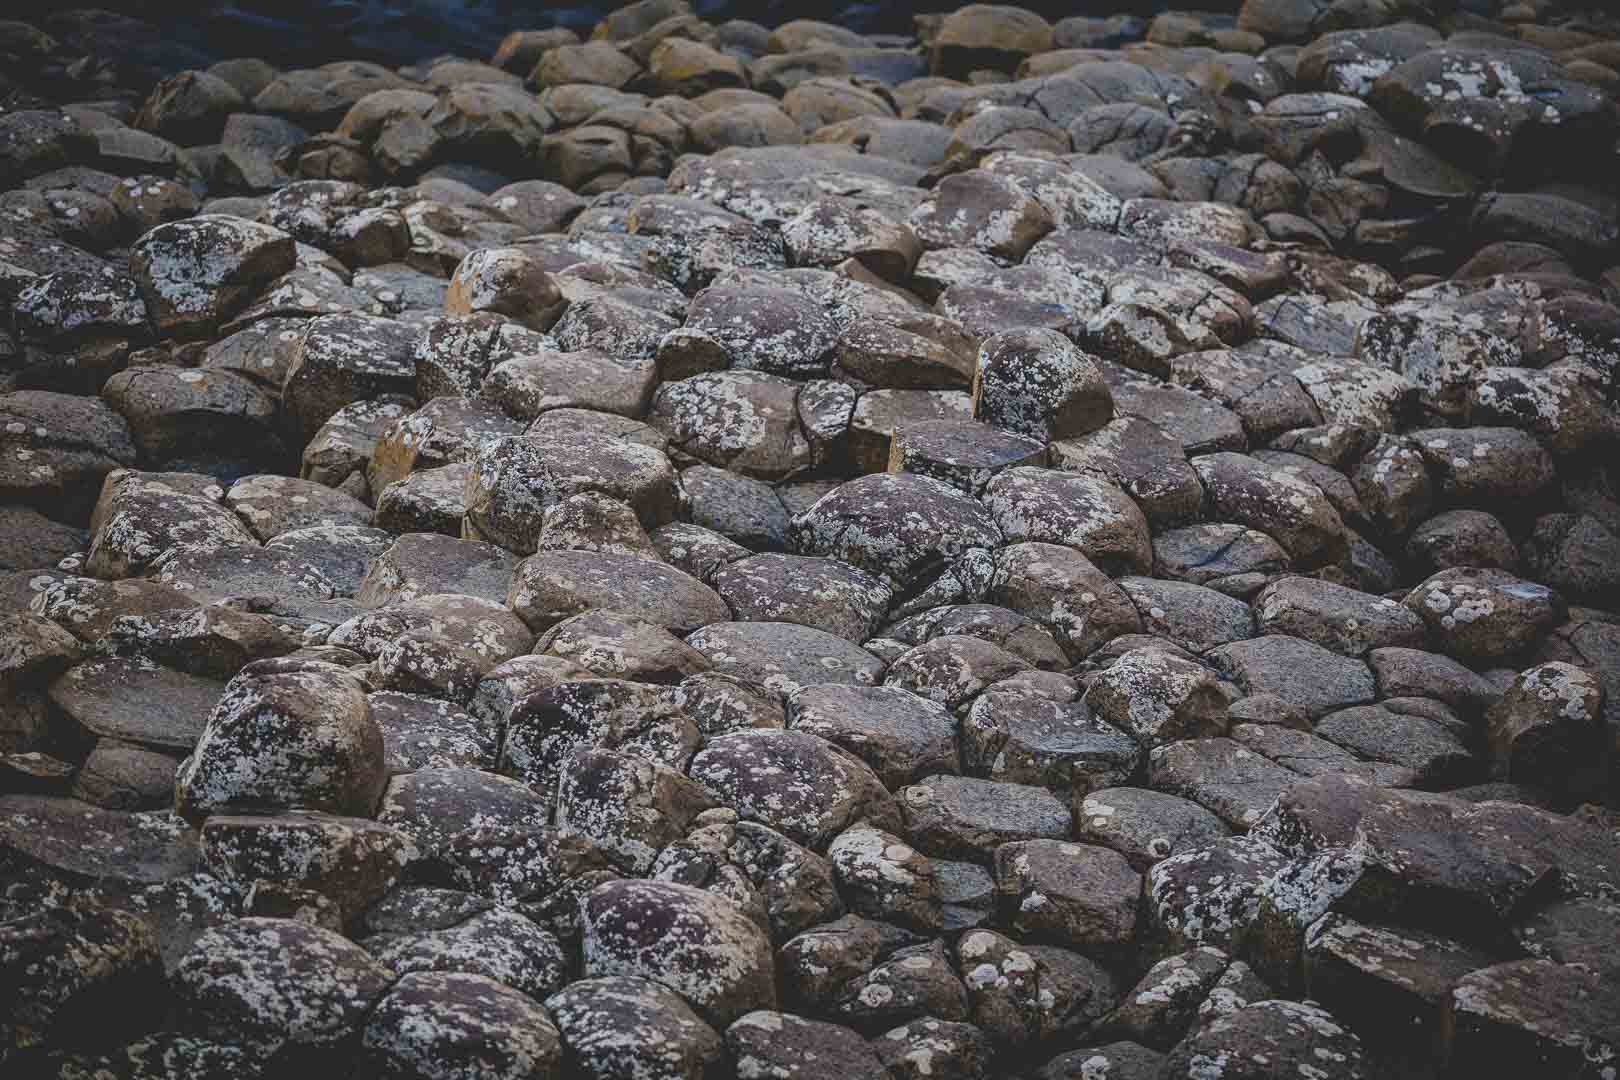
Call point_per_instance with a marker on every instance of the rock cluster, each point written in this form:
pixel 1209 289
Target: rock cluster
pixel 1031 550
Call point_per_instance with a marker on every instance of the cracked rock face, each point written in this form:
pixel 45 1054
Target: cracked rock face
pixel 1011 547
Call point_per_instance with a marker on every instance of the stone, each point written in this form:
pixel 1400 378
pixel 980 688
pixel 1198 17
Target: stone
pixel 351 861
pixel 1159 1011
pixel 796 783
pixel 1037 383
pixel 1479 615
pixel 1297 671
pixel 983 211
pixel 1158 698
pixel 882 876
pixel 286 735
pixel 1077 510
pixel 197 273
pixel 1345 620
pixel 341 359
pixel 965 818
pixel 1386 981
pixel 1144 826
pixel 689 940
pixel 619 1025
pixel 1192 617
pixel 290 991
pixel 783 657
pixel 902 736
pixel 136 701
pixel 505 281
pixel 513 481
pixel 1016 736
pixel 551 586
pixel 901 527
pixel 628 807
pixel 1292 511
pixel 1547 730
pixel 1065 592
pixel 821 593
pixel 1530 1013
pixel 1076 895
pixel 443 1024
pixel 1283 1034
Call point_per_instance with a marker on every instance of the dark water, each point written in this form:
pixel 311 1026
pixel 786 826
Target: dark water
pixel 292 33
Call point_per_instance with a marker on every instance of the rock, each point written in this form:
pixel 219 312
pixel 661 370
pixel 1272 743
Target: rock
pixel 765 1042
pixel 1345 620
pixel 914 981
pixel 929 1047
pixel 1125 1060
pixel 1061 589
pixel 290 991
pixel 1037 383
pixel 1436 755
pixel 1386 980
pixel 962 817
pixel 198 273
pixel 820 593
pixel 1541 1014
pixel 1157 698
pixel 286 735
pixel 901 528
pixel 441 1024
pixel 982 211
pixel 1478 615
pixel 1079 896
pixel 1297 671
pixel 742 420
pixel 1159 1011
pixel 134 700
pixel 554 585
pixel 515 480
pixel 1293 511
pixel 951 669
pixel 902 736
pixel 987 36
pixel 696 944
pixel 1144 826
pixel 1283 1034
pixel 783 657
pixel 1033 994
pixel 352 861
pixel 55 986
pixel 1190 616
pixel 618 1025
pixel 505 281
pixel 341 359
pixel 1016 736
pixel 802 786
pixel 1221 775
pixel 1462 538
pixel 1575 555
pixel 1080 511
pixel 1547 730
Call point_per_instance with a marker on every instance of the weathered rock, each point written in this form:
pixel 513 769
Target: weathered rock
pixel 198 273
pixel 292 992
pixel 793 782
pixel 286 734
pixel 1478 615
pixel 696 944
pixel 619 1025
pixel 439 1024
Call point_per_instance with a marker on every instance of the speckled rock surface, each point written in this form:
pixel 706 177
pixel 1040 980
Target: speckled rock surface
pixel 1021 545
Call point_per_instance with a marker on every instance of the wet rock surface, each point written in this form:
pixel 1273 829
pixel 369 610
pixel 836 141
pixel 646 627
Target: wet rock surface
pixel 1012 547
